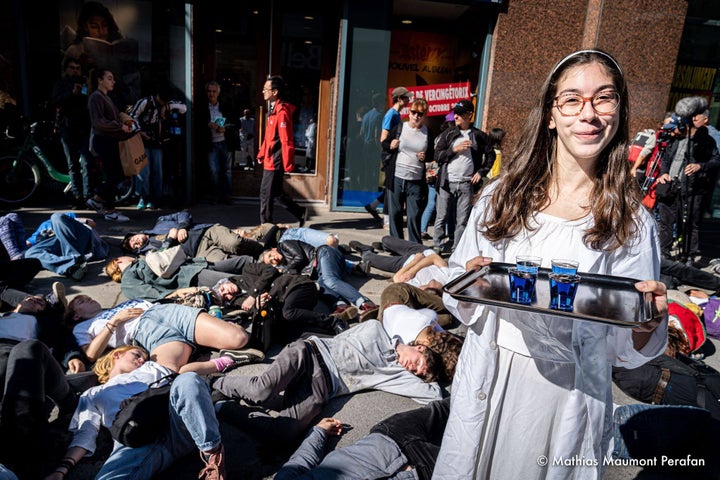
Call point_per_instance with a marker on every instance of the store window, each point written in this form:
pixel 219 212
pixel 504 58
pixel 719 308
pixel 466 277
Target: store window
pixel 301 61
pixel 358 166
pixel 435 56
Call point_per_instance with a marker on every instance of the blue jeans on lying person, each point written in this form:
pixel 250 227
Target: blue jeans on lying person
pixel 70 244
pixel 193 425
pixel 332 267
pixel 373 456
pixel 316 238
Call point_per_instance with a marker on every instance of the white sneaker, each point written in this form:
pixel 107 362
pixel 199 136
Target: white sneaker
pixel 116 217
pixel 95 205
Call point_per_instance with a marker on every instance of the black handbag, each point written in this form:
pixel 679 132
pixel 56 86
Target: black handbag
pixel 262 325
pixel 667 190
pixel 144 416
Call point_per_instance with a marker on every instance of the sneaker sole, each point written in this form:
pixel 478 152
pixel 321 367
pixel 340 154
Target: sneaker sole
pixel 348 314
pixel 369 315
pixel 58 290
pixel 240 355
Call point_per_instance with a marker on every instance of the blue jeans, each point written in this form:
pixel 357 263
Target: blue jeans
pixel 72 241
pixel 150 178
pixel 192 425
pixel 220 165
pixel 429 209
pixel 373 456
pixel 313 237
pixel 458 195
pixel 76 152
pixel 412 194
pixel 331 268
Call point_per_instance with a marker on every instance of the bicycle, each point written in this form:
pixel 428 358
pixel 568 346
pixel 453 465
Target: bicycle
pixel 21 173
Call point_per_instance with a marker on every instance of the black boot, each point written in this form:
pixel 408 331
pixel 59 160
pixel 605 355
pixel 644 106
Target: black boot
pixel 339 326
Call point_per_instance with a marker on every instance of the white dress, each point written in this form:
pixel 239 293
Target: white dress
pixel 530 387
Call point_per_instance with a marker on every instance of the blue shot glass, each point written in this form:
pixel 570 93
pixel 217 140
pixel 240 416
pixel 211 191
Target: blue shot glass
pixel 527 263
pixel 564 266
pixel 563 288
pixel 522 286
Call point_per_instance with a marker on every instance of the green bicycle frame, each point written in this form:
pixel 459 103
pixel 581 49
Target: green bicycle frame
pixel 31 145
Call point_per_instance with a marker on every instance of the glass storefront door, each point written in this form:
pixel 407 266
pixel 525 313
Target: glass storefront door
pixel 357 165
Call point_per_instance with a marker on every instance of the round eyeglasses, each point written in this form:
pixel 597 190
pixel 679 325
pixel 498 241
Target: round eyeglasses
pixel 571 104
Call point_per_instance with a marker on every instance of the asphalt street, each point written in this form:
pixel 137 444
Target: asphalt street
pixel 245 458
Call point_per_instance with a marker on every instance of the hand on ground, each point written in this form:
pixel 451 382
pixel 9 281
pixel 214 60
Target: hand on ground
pixel 332 426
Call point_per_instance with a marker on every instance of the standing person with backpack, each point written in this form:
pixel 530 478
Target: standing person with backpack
pixel 277 152
pixel 400 98
pixel 150 113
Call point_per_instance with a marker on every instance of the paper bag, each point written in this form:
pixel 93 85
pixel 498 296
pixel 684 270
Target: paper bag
pixel 132 155
pixel 164 263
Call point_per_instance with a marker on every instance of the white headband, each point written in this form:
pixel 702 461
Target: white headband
pixel 614 62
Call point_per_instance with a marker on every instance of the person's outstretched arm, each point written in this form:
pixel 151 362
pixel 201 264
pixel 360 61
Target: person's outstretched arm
pixel 310 453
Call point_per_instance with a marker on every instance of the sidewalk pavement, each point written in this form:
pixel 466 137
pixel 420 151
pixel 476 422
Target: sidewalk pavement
pixel 244 458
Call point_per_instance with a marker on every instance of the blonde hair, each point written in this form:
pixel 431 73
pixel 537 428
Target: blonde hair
pixel 112 269
pixel 105 364
pixel 420 104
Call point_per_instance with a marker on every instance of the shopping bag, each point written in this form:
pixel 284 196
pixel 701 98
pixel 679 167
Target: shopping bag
pixel 132 155
pixel 165 263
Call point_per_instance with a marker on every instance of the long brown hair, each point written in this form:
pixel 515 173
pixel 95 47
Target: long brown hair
pixel 524 189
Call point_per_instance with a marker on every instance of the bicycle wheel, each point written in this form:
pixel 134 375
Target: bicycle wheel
pixel 17 184
pixel 125 189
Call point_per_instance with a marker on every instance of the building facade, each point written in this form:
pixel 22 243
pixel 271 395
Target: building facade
pixel 341 60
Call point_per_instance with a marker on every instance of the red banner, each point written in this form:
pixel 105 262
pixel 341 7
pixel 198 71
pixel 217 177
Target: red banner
pixel 440 97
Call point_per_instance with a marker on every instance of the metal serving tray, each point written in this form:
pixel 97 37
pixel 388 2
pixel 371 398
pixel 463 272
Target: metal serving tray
pixel 600 298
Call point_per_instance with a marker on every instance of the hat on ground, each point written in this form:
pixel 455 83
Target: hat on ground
pixel 463 106
pixel 400 92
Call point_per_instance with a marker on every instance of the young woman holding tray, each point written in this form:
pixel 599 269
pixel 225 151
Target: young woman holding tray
pixel 532 391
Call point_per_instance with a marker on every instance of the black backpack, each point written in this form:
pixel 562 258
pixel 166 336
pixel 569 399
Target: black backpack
pixel 144 416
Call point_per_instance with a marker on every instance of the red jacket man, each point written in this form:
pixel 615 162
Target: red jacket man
pixel 277 153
